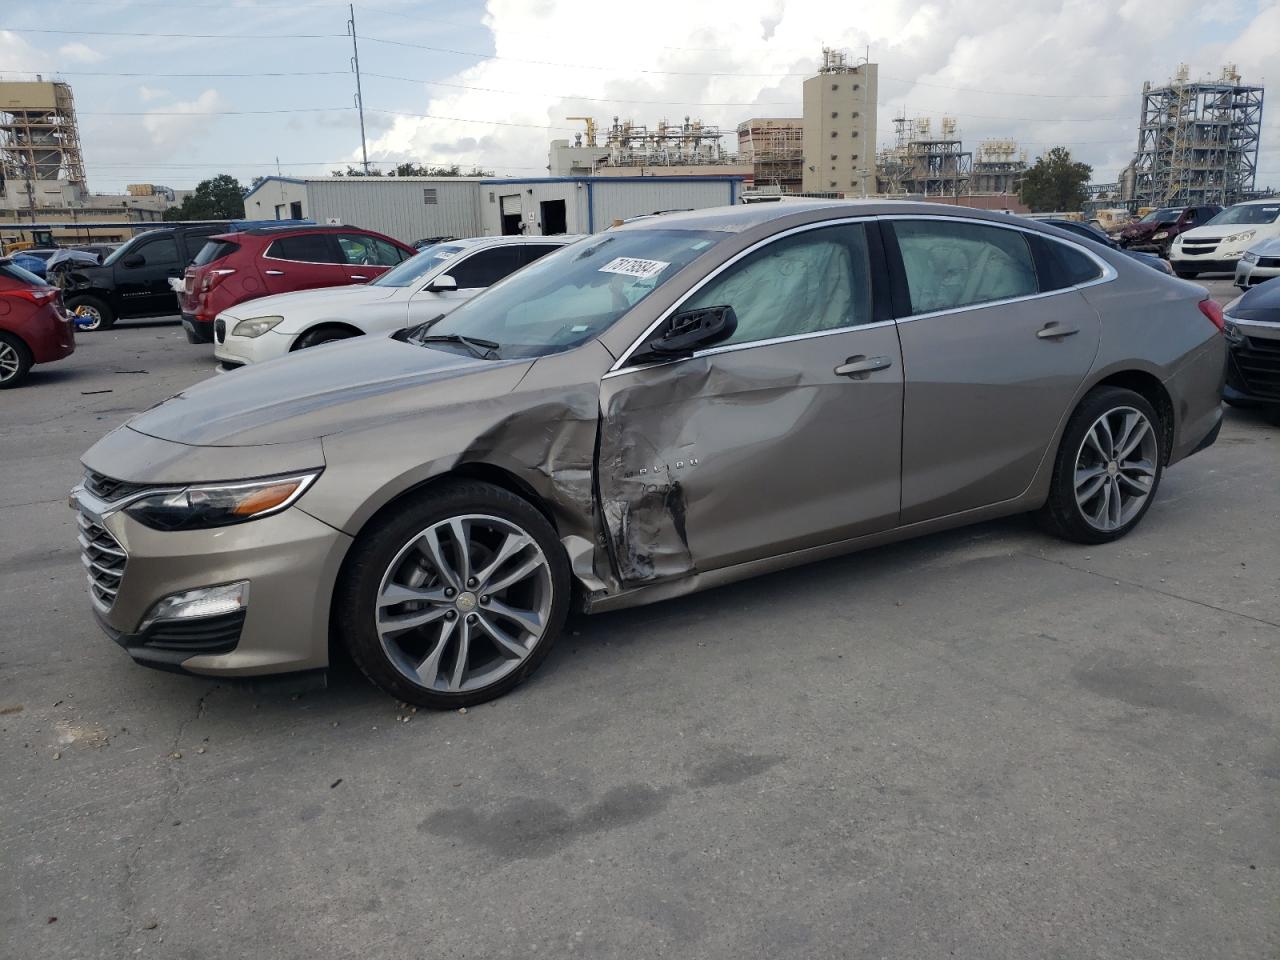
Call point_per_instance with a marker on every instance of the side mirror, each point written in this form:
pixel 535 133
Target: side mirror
pixel 442 283
pixel 690 329
pixel 133 260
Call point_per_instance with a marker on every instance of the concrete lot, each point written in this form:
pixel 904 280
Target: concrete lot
pixel 981 744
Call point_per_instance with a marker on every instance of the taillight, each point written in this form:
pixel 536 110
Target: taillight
pixel 214 277
pixel 37 295
pixel 1211 310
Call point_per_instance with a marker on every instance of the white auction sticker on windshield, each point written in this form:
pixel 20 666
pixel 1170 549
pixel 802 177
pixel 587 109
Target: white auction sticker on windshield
pixel 635 267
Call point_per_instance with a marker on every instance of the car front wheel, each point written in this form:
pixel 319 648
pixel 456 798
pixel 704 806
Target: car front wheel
pixel 92 313
pixel 1107 469
pixel 455 598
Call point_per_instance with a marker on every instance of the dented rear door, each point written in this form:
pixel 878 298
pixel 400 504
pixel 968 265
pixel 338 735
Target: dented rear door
pixel 786 437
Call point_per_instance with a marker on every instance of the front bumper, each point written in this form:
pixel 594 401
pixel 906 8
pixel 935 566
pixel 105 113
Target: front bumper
pixel 1251 274
pixel 1253 363
pixel 290 560
pixel 233 351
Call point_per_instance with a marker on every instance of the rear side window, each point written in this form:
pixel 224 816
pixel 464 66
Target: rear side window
pixel 11 271
pixel 530 252
pixel 161 252
pixel 306 248
pixel 485 268
pixel 214 250
pixel 957 264
pixel 1068 267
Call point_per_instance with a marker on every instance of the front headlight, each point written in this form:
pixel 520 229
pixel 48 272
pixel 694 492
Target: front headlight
pixel 255 327
pixel 1240 237
pixel 1162 235
pixel 1177 241
pixel 219 505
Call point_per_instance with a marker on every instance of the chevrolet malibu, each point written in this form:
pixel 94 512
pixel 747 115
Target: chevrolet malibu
pixel 676 404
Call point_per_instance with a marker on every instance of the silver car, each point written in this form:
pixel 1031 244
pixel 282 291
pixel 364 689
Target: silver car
pixel 673 405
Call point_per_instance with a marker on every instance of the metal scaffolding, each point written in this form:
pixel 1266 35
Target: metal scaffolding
pixel 998 167
pixel 775 149
pixel 920 163
pixel 635 145
pixel 39 140
pixel 1197 141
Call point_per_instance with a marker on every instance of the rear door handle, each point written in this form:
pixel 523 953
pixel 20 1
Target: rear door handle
pixel 274 273
pixel 356 276
pixel 856 366
pixel 1051 331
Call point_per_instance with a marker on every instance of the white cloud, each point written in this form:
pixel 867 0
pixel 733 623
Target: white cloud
pixel 934 58
pixel 79 53
pixel 175 124
pixel 147 94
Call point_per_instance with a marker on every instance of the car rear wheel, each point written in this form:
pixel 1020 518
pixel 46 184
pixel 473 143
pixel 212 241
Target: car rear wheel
pixel 15 361
pixel 93 313
pixel 313 338
pixel 454 599
pixel 1107 469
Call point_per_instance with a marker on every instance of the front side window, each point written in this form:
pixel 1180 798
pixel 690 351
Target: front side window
pixel 365 250
pixel 485 268
pixel 956 264
pixel 160 253
pixel 805 283
pixel 305 248
pixel 568 297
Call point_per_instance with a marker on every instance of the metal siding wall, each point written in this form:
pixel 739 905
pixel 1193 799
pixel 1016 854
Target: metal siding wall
pixel 617 201
pixel 394 207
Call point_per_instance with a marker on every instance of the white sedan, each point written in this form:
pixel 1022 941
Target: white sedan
pixel 425 286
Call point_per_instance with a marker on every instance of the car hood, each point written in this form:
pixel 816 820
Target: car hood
pixel 1143 229
pixel 1215 231
pixel 281 303
pixel 326 390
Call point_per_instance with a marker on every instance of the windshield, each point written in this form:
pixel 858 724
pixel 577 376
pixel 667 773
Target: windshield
pixel 14 272
pixel 574 294
pixel 418 266
pixel 1248 213
pixel 1162 215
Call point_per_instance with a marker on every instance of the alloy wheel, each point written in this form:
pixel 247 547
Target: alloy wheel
pixel 1115 468
pixel 10 362
pixel 93 314
pixel 464 603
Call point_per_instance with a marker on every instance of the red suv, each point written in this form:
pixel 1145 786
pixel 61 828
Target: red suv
pixel 234 267
pixel 34 328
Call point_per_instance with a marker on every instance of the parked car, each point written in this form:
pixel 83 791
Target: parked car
pixel 269 260
pixel 1155 231
pixel 427 285
pixel 425 242
pixel 676 404
pixel 1096 234
pixel 32 262
pixel 1219 245
pixel 133 280
pixel 1260 262
pixel 1253 338
pixel 34 328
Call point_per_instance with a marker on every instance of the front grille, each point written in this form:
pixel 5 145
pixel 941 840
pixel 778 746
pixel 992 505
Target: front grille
pixel 1198 247
pixel 1269 261
pixel 218 634
pixel 220 330
pixel 109 489
pixel 1258 362
pixel 104 560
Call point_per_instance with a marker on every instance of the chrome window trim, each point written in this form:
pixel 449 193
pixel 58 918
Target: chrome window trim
pixel 1108 273
pixel 620 366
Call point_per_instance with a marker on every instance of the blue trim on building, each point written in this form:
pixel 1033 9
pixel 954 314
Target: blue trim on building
pixel 591 211
pixel 733 193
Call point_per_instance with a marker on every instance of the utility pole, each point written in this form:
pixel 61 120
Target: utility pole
pixel 355 65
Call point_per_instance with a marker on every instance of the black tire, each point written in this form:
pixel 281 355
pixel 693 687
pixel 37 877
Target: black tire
pixel 1187 274
pixel 15 361
pixel 378 548
pixel 106 316
pixel 1061 515
pixel 313 338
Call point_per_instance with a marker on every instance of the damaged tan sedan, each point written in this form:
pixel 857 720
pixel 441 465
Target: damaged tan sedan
pixel 672 405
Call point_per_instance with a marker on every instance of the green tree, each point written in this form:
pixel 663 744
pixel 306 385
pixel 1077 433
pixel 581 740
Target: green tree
pixel 219 198
pixel 1055 182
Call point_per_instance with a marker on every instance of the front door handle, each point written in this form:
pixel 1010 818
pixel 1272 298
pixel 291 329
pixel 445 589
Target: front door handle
pixel 1051 331
pixel 861 365
pixel 274 273
pixel 356 276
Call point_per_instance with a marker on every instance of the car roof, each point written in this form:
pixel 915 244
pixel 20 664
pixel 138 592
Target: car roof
pixel 505 240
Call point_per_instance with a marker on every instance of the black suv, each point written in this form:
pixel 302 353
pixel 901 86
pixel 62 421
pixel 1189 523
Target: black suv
pixel 134 280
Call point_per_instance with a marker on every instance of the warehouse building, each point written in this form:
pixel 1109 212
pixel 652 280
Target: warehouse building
pixel 412 208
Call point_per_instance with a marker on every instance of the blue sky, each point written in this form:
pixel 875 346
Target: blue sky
pixel 1043 72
